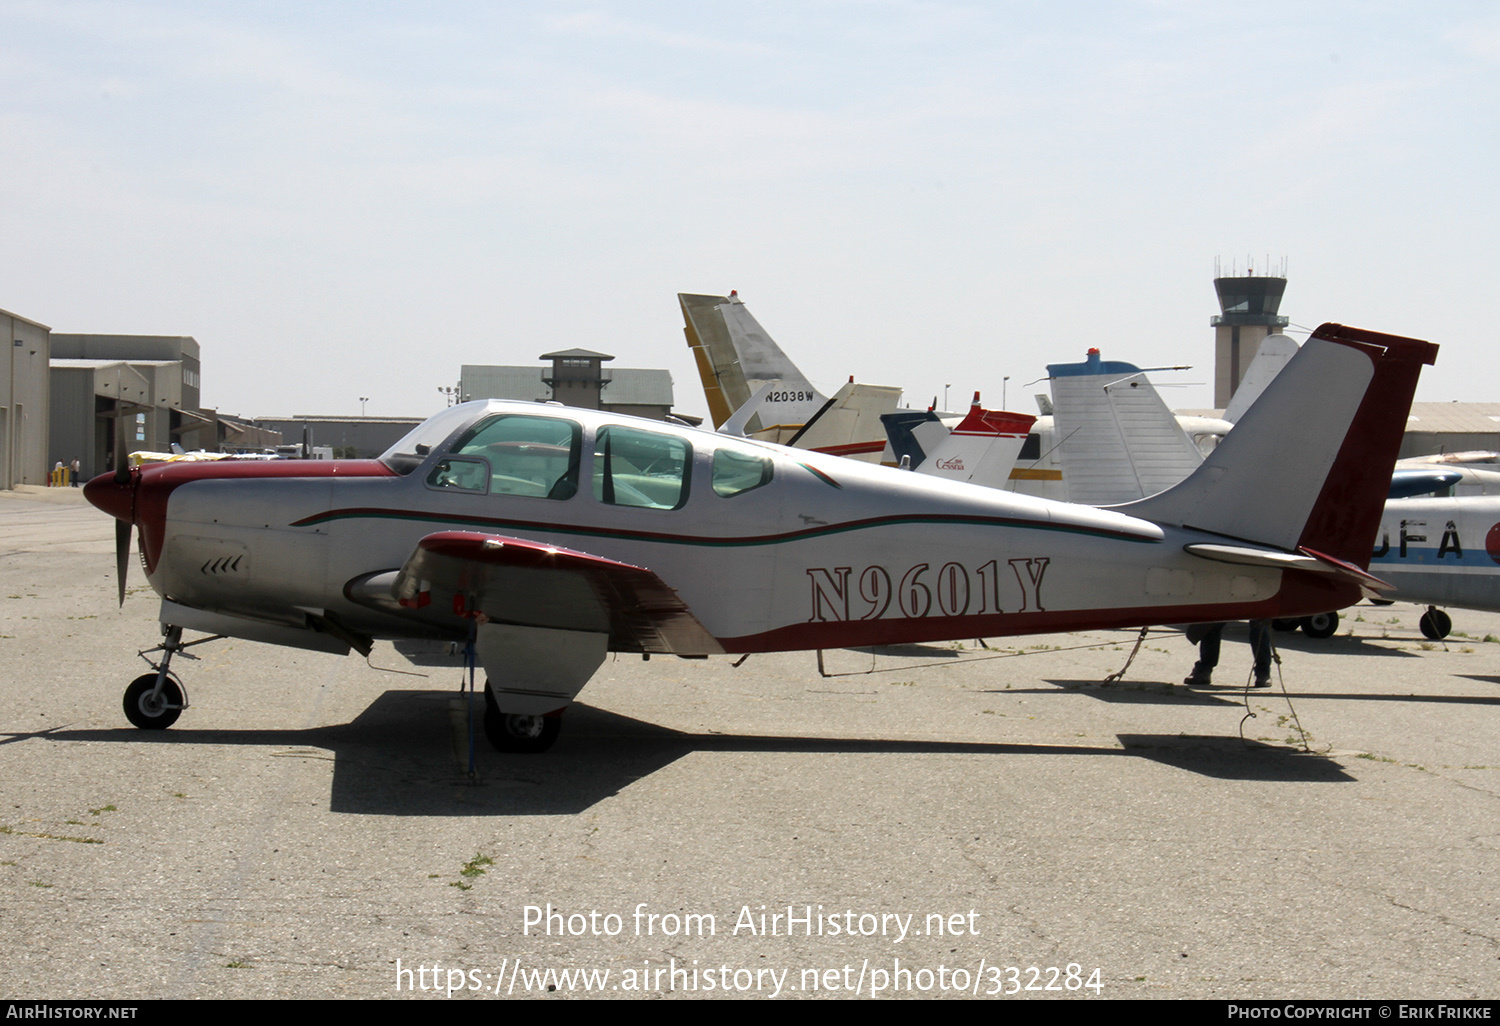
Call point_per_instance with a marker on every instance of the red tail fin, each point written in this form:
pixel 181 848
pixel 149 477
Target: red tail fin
pixel 1346 517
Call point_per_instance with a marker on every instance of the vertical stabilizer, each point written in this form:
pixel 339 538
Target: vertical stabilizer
pixel 1309 464
pixel 912 434
pixel 849 424
pixel 1275 352
pixel 736 358
pixel 982 448
pixel 1118 440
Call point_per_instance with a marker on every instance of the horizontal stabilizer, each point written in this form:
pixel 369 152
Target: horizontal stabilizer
pixel 1408 482
pixel 1304 559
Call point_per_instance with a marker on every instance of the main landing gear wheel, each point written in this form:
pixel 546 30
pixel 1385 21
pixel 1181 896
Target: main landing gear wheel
pixel 517 733
pixel 1286 625
pixel 149 711
pixel 1320 625
pixel 1435 624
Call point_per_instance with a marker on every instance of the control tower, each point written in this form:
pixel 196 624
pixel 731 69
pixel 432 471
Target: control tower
pixel 1249 307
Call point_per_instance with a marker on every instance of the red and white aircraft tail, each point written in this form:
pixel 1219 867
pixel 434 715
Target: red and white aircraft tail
pixel 981 449
pixel 1307 468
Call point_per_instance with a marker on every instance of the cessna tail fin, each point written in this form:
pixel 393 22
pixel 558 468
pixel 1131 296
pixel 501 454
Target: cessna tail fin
pixel 981 449
pixel 1309 464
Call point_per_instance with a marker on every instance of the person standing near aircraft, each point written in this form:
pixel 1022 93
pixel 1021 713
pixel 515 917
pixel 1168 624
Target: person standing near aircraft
pixel 1209 637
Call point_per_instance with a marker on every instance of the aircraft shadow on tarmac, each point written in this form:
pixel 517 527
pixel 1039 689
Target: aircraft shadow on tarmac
pixel 407 755
pixel 1132 692
pixel 913 651
pixel 1339 644
pixel 1127 692
pixel 1231 758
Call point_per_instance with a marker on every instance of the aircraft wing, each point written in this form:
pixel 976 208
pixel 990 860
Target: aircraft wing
pixel 531 584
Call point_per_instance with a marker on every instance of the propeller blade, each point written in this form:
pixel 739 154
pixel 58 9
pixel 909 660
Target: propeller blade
pixel 122 554
pixel 122 529
pixel 122 458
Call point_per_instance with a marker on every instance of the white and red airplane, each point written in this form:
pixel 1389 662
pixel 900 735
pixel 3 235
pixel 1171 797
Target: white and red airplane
pixel 980 449
pixel 552 536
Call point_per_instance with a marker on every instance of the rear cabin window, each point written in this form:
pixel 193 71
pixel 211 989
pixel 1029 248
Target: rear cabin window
pixel 738 472
pixel 533 456
pixel 640 468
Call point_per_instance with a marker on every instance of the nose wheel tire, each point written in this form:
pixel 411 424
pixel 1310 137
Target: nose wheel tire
pixel 149 711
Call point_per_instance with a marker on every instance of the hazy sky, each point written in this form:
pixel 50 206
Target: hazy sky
pixel 347 199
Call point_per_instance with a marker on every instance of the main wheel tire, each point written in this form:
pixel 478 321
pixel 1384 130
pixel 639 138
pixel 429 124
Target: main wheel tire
pixel 1285 625
pixel 153 713
pixel 518 734
pixel 1320 625
pixel 1435 624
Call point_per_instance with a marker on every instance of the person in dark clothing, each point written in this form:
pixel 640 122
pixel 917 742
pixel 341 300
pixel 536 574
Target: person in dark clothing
pixel 1209 635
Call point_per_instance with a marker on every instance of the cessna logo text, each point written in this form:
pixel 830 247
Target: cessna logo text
pixel 950 590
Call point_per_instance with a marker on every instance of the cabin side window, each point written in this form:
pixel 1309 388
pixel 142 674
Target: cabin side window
pixel 533 456
pixel 738 472
pixel 640 468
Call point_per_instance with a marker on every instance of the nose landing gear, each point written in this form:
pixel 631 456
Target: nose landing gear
pixel 154 700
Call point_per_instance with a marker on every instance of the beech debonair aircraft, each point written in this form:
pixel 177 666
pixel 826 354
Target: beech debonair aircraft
pixel 551 536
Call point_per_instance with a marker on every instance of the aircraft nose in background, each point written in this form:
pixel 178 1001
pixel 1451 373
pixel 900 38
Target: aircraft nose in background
pixel 114 498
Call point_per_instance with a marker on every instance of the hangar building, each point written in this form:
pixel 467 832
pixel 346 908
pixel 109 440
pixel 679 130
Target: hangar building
pixel 26 397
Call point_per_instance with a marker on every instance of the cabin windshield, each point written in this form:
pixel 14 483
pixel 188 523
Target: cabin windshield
pixel 417 444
